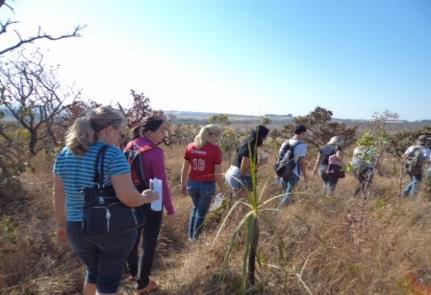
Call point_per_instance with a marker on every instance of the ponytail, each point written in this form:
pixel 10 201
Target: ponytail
pixel 80 136
pixel 83 132
pixel 202 137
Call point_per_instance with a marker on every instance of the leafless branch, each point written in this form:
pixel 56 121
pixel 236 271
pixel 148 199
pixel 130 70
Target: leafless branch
pixel 40 35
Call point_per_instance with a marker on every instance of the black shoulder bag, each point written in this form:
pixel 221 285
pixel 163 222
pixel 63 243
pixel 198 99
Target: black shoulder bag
pixel 103 212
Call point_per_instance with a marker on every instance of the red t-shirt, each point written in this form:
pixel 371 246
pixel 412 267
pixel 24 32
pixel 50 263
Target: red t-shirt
pixel 202 161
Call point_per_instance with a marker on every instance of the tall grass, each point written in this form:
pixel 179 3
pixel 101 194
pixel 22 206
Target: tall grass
pixel 317 245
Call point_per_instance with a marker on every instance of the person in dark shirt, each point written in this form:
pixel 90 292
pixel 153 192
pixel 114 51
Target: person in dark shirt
pixel 238 176
pixel 331 148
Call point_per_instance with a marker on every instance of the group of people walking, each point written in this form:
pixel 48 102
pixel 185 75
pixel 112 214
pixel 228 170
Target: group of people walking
pixel 108 256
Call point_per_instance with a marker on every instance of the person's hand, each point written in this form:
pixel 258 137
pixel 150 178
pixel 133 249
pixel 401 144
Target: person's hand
pixel 184 190
pixel 149 196
pixel 171 218
pixel 61 234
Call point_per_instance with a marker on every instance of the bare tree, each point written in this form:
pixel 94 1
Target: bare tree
pixel 7 29
pixel 139 109
pixel 32 95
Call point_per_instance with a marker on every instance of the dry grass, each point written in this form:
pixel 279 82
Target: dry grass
pixel 317 245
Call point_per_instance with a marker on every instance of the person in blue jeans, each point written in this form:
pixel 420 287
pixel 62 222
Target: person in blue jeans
pixel 299 154
pixel 415 159
pixel 331 148
pixel 103 256
pixel 200 173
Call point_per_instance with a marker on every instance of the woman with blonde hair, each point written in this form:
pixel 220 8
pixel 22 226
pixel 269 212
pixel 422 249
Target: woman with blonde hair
pixel 74 169
pixel 333 147
pixel 200 173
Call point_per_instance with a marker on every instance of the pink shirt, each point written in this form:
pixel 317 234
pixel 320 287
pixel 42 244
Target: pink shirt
pixel 153 162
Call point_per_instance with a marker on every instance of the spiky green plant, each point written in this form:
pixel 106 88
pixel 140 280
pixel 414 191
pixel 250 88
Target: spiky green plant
pixel 256 205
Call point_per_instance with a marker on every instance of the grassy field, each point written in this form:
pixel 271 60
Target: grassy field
pixel 317 245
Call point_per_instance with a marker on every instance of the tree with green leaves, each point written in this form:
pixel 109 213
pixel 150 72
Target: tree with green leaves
pixel 220 119
pixel 321 127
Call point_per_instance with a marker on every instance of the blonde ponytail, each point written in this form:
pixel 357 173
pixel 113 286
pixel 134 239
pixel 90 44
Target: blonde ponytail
pixel 202 137
pixel 83 132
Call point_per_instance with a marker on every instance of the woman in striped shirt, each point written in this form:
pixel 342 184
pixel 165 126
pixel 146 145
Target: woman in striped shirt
pixel 104 256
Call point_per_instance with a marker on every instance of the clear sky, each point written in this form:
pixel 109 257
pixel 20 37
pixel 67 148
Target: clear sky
pixel 246 57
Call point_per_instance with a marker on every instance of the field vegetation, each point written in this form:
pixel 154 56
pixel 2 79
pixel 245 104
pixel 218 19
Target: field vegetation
pixel 317 245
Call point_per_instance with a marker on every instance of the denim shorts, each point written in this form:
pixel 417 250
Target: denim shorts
pixel 237 181
pixel 104 257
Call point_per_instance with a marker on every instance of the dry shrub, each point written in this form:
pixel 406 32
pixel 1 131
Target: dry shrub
pixel 317 245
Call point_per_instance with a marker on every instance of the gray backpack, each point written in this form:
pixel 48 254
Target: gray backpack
pixel 415 161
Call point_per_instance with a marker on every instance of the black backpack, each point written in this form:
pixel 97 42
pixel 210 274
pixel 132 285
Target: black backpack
pixel 134 157
pixel 285 161
pixel 415 161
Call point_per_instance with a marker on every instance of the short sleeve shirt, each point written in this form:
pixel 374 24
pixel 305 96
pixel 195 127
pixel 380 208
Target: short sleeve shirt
pixel 77 172
pixel 325 152
pixel 364 156
pixel 244 151
pixel 202 161
pixel 300 151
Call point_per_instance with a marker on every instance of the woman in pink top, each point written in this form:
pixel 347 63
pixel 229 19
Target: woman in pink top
pixel 201 170
pixel 147 136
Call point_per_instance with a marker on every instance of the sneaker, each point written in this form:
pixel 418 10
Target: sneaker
pixel 150 287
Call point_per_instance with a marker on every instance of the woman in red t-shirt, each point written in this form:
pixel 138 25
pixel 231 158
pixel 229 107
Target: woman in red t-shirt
pixel 201 171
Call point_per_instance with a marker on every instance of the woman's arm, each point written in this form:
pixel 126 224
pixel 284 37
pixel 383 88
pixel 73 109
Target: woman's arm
pixel 316 164
pixel 184 176
pixel 219 178
pixel 245 166
pixel 59 196
pixel 339 155
pixel 302 167
pixel 59 209
pixel 127 193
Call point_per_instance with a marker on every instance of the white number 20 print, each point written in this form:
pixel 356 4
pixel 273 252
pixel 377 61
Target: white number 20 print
pixel 198 164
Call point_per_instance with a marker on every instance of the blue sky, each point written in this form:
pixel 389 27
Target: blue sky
pixel 248 57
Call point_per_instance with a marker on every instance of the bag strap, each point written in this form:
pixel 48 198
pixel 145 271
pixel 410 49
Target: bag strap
pixel 98 178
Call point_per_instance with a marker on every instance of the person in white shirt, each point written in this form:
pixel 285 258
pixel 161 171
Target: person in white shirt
pixel 415 158
pixel 299 154
pixel 427 154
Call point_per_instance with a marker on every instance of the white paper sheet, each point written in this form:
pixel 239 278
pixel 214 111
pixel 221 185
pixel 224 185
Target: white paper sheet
pixel 157 186
pixel 218 200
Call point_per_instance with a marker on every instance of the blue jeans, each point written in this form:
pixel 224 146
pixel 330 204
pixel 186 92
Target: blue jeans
pixel 412 187
pixel 103 256
pixel 288 186
pixel 201 194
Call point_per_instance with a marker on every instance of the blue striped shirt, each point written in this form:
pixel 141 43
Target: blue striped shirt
pixel 77 172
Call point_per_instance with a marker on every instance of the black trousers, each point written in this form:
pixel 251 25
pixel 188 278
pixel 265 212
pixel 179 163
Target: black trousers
pixel 149 232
